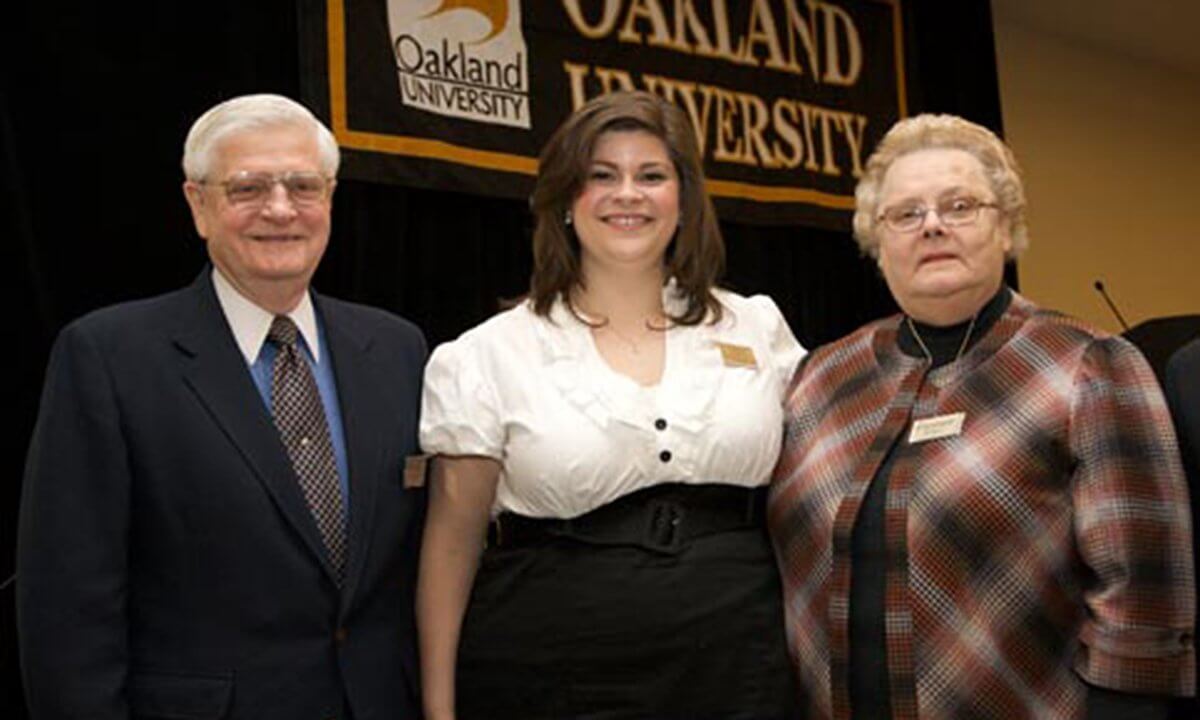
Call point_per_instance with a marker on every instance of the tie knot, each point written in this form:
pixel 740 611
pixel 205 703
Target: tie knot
pixel 283 331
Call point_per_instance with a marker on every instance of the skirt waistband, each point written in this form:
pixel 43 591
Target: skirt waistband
pixel 662 518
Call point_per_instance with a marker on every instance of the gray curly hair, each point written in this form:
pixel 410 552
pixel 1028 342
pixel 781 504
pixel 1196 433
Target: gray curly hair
pixel 924 132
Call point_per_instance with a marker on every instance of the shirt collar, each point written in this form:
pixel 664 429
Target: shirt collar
pixel 250 323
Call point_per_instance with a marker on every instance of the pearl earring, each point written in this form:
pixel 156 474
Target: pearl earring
pixel 567 218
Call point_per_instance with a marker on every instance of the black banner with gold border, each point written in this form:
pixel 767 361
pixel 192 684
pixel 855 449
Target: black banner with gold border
pixel 788 96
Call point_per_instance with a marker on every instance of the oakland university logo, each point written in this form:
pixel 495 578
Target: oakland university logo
pixel 462 58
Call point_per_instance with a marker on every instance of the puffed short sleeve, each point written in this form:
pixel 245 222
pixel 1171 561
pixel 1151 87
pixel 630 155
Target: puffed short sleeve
pixel 785 351
pixel 1133 528
pixel 460 410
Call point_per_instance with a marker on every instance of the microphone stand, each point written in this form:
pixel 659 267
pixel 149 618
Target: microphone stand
pixel 1111 306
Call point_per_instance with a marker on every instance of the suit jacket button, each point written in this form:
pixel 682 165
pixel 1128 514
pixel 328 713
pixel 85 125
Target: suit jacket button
pixel 339 635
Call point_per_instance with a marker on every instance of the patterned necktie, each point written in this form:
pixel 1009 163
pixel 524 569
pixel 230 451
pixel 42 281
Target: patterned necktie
pixel 300 418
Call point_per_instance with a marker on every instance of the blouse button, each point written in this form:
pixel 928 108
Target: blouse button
pixel 660 424
pixel 665 456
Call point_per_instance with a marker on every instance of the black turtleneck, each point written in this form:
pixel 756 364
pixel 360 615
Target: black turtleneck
pixel 869 689
pixel 944 343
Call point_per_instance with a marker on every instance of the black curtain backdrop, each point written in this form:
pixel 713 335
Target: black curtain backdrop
pixel 95 100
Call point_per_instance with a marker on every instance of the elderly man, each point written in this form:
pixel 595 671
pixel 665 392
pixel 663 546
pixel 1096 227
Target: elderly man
pixel 214 521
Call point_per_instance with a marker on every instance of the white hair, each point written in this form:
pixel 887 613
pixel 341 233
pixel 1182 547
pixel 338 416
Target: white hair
pixel 252 112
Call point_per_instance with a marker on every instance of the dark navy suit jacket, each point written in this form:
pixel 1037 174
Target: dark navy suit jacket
pixel 169 566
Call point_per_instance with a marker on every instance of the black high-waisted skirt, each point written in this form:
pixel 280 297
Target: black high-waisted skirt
pixel 668 626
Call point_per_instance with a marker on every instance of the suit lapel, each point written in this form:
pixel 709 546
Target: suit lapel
pixel 216 372
pixel 357 388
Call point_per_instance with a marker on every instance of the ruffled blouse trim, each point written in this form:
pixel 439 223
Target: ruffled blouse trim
pixel 693 370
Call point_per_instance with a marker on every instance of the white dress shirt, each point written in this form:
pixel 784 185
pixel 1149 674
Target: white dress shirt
pixel 572 434
pixel 250 323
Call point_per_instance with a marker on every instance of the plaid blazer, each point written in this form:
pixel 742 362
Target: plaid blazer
pixel 1047 544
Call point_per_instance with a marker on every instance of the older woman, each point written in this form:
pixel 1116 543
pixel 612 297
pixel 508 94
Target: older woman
pixel 979 510
pixel 616 431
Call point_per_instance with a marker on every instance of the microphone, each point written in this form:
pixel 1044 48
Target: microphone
pixel 11 579
pixel 1100 289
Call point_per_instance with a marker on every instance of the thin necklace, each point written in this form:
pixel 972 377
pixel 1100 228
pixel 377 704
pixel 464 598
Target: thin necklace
pixel 928 355
pixel 633 344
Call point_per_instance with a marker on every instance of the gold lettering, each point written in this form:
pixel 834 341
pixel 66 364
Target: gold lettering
pixel 743 128
pixel 678 92
pixel 726 115
pixel 608 19
pixel 835 74
pixel 686 21
pixel 822 39
pixel 810 164
pixel 802 29
pixel 721 33
pixel 575 75
pixel 761 31
pixel 699 116
pixel 829 167
pixel 754 122
pixel 650 11
pixel 787 131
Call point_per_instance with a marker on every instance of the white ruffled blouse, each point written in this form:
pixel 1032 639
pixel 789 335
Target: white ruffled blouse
pixel 571 434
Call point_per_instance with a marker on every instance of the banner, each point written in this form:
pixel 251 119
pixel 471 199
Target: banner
pixel 787 97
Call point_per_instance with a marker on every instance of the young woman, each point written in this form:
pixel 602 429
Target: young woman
pixel 611 436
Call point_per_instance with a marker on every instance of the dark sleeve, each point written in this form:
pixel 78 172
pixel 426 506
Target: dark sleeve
pixel 1183 395
pixel 72 543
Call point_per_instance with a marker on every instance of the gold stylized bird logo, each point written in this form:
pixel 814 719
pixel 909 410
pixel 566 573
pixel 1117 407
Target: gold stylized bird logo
pixel 494 11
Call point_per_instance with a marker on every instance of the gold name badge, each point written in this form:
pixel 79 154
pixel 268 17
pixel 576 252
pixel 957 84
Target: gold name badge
pixel 939 426
pixel 737 355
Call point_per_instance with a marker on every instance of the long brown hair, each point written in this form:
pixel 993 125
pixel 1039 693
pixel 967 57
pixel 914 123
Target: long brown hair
pixel 696 256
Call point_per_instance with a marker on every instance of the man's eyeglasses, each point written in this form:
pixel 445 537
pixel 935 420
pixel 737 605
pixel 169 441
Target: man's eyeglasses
pixel 251 188
pixel 954 211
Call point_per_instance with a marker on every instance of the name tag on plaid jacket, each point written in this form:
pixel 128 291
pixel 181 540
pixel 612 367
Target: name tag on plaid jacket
pixel 936 427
